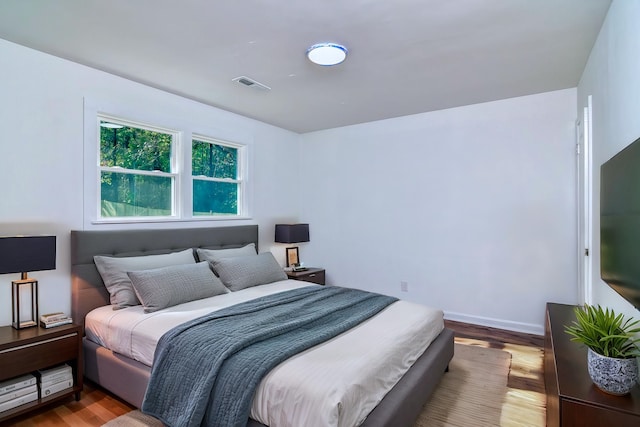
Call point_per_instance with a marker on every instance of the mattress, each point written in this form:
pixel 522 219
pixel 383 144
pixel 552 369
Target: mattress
pixel 336 383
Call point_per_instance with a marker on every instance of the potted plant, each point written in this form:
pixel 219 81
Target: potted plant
pixel 612 347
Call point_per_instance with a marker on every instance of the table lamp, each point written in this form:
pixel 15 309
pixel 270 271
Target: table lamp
pixel 22 254
pixel 292 233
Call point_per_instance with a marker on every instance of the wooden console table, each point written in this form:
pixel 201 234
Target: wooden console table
pixel 572 398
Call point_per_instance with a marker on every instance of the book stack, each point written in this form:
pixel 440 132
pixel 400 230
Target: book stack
pixel 55 379
pixel 54 319
pixel 18 391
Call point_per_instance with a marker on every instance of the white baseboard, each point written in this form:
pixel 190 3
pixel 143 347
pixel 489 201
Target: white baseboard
pixel 527 328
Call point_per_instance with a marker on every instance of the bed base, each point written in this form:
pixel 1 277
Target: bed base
pixel 400 407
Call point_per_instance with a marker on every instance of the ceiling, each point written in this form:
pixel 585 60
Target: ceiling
pixel 405 56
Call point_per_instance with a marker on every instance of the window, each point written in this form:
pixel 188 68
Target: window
pixel 216 174
pixel 141 172
pixel 138 170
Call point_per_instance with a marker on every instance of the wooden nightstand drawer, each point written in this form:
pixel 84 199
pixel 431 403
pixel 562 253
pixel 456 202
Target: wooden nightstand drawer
pixel 40 354
pixel 313 275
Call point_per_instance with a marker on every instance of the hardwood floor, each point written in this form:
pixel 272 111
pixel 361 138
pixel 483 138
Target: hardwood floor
pixel 95 407
pixel 526 383
pixel 496 337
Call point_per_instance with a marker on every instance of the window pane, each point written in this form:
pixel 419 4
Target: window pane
pixel 214 198
pixel 213 160
pixel 127 195
pixel 134 148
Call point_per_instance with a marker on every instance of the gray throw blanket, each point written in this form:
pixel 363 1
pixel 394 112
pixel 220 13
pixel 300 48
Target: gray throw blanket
pixel 205 371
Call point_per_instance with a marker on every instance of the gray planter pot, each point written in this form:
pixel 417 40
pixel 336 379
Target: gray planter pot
pixel 611 375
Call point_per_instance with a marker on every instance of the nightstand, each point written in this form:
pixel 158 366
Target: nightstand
pixel 25 351
pixel 313 275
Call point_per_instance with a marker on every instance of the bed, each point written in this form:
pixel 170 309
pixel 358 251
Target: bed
pixel 128 378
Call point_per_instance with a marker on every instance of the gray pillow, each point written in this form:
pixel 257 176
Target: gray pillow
pixel 114 273
pixel 243 272
pixel 215 254
pixel 168 286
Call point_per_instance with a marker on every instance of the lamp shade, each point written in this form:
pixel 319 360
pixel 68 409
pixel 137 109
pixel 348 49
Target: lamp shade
pixel 27 253
pixel 292 233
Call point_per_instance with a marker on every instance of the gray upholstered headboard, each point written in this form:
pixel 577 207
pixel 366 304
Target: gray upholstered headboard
pixel 87 288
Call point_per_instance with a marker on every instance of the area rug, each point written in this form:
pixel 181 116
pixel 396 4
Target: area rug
pixel 134 419
pixel 470 394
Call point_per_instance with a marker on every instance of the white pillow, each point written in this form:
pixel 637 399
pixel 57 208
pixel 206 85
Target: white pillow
pixel 168 286
pixel 114 273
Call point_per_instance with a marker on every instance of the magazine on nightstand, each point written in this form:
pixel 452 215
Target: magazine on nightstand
pixel 54 319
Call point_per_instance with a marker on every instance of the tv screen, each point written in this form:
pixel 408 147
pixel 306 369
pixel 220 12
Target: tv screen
pixel 620 223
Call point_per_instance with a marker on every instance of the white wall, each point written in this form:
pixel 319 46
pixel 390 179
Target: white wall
pixel 612 77
pixel 41 156
pixel 473 207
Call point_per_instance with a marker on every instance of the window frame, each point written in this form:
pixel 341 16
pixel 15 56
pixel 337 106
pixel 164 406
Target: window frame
pixel 164 118
pixel 175 175
pixel 240 179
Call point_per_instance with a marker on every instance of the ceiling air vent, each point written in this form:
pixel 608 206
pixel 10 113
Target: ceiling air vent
pixel 244 80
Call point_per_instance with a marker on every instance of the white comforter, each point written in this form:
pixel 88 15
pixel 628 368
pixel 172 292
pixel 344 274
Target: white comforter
pixel 336 383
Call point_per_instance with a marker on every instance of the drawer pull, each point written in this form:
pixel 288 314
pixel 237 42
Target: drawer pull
pixel 39 343
pixel 312 275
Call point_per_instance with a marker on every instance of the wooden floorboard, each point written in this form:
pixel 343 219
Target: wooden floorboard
pixel 97 406
pixel 497 336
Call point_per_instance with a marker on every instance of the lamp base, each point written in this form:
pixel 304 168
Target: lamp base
pixel 20 290
pixel 24 325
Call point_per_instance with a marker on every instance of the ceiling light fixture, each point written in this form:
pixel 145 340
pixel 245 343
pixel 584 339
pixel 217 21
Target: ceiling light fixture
pixel 327 54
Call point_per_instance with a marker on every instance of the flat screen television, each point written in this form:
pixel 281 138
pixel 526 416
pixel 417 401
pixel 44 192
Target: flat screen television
pixel 620 223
